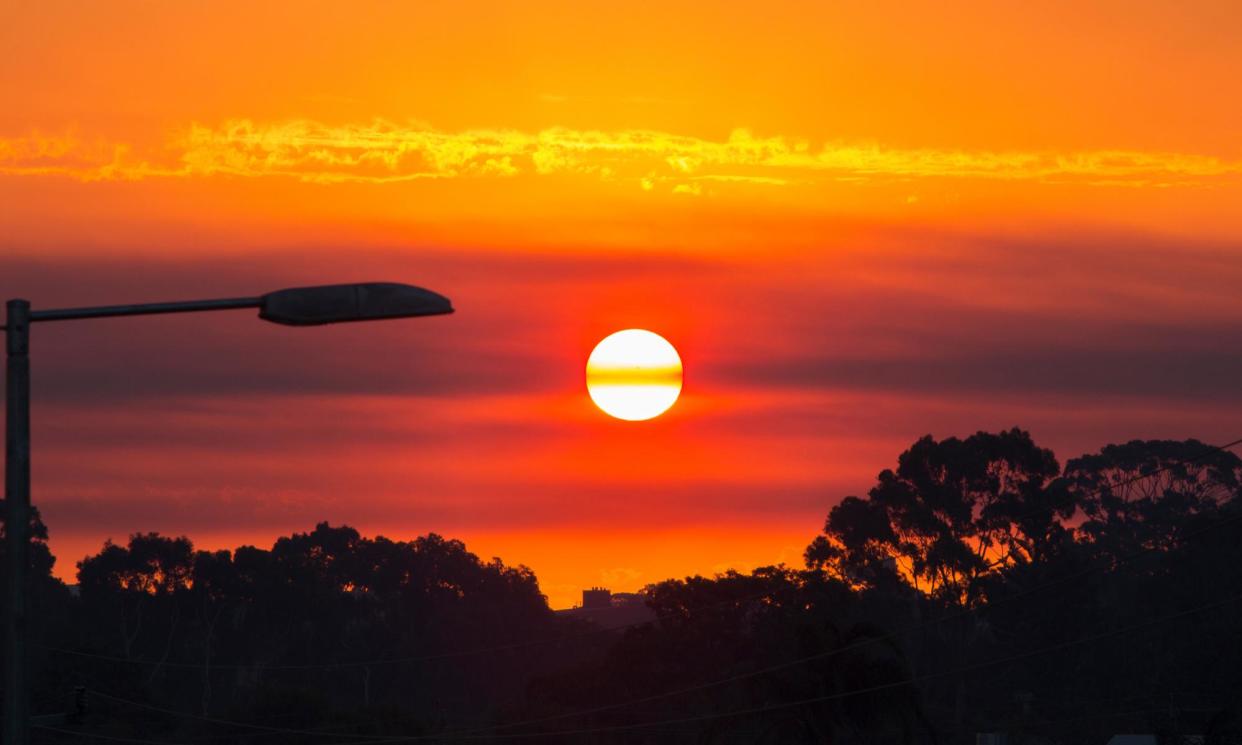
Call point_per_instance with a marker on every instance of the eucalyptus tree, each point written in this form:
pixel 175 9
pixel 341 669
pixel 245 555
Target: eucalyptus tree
pixel 950 513
pixel 1142 494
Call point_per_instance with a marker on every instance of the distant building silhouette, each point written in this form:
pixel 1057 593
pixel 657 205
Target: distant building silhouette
pixel 610 610
pixel 597 597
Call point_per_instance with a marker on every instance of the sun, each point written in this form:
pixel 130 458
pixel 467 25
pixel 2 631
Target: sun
pixel 634 375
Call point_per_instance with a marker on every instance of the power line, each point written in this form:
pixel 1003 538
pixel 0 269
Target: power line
pixel 840 650
pixel 753 673
pixel 463 734
pixel 771 707
pixel 735 678
pixel 226 722
pixel 1210 450
pixel 96 736
pixel 595 632
pixel 834 696
pixel 873 640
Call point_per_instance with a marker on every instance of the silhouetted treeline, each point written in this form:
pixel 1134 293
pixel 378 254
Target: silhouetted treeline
pixel 977 587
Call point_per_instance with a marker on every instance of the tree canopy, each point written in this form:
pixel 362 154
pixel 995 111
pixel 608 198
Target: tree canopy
pixel 978 586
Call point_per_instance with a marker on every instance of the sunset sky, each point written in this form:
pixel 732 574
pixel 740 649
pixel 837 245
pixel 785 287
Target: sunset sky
pixel 857 223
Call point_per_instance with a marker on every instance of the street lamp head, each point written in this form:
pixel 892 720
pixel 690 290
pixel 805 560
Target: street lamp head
pixel 368 301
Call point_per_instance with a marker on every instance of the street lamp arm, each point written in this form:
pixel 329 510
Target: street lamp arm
pixel 297 306
pixel 145 309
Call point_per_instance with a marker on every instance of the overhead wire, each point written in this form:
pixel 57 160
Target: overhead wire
pixel 478 733
pixel 828 697
pixel 785 665
pixel 1209 449
pixel 972 610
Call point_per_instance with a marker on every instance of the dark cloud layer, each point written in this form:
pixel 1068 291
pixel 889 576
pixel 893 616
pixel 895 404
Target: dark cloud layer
pixel 1006 355
pixel 496 343
pixel 1134 319
pixel 806 374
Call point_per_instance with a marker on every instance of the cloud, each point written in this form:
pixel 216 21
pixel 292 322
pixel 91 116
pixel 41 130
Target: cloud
pixel 1124 362
pixel 1125 317
pixel 508 334
pixel 382 151
pixel 805 376
pixel 948 315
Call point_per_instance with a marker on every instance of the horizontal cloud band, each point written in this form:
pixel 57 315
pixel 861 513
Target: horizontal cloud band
pixel 383 151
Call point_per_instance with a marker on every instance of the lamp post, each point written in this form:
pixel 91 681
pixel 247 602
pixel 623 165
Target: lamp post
pixel 301 306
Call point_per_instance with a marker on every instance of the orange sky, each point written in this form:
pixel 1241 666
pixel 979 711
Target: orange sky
pixel 858 225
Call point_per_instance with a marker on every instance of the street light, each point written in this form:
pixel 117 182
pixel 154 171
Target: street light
pixel 300 306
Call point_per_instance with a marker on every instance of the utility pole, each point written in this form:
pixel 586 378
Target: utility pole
pixel 17 522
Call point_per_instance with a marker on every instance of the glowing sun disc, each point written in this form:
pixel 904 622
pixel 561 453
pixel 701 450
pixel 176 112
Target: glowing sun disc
pixel 634 375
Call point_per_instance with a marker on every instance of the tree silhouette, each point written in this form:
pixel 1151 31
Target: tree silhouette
pixel 952 511
pixel 967 552
pixel 40 556
pixel 1140 493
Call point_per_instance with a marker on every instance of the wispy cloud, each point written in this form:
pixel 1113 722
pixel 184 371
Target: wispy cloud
pixel 383 151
